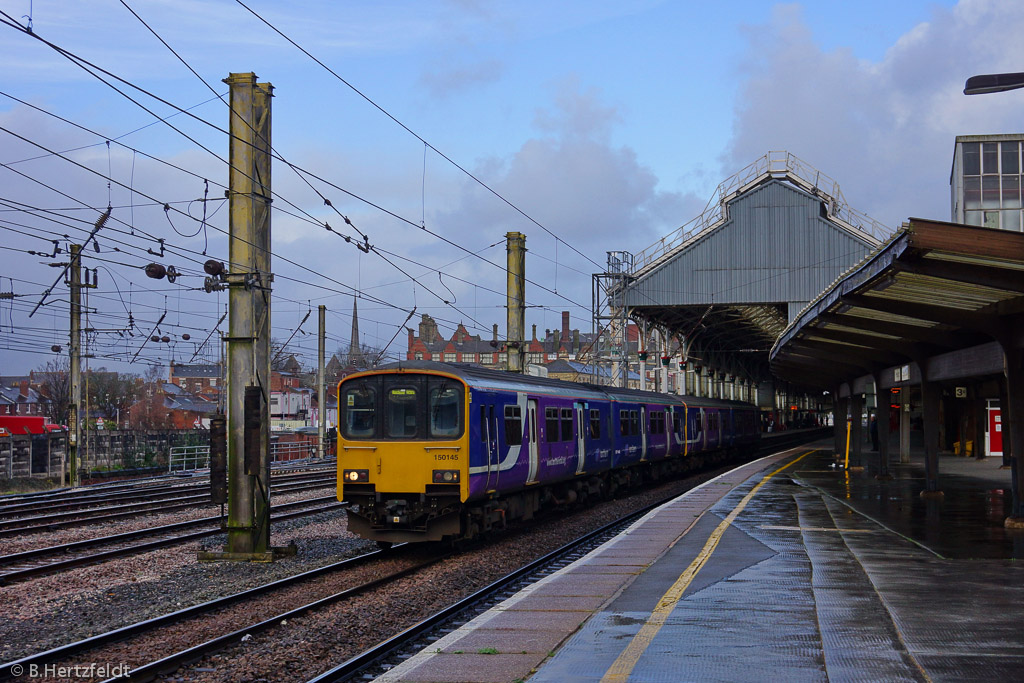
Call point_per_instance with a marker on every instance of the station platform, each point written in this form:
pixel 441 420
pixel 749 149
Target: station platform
pixel 790 568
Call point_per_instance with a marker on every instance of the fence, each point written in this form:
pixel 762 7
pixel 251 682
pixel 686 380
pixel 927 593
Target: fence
pixel 187 458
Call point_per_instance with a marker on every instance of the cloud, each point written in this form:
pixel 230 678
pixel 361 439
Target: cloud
pixel 445 80
pixel 884 131
pixel 574 181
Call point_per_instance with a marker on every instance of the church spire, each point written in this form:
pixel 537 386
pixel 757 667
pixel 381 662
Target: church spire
pixel 355 354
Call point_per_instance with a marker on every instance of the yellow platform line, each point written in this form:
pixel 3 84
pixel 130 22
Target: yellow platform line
pixel 623 666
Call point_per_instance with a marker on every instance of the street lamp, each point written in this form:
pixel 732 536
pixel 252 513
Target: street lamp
pixel 986 83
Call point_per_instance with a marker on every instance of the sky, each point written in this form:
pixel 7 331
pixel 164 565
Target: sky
pixel 435 128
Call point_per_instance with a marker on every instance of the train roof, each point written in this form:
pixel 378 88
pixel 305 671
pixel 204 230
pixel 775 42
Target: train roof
pixel 486 378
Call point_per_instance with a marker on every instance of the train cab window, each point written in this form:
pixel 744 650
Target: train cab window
pixel 566 424
pixel 513 425
pixel 595 424
pixel 400 407
pixel 360 412
pixel 445 410
pixel 551 430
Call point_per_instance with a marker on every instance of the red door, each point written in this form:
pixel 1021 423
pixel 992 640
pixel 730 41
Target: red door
pixel 995 432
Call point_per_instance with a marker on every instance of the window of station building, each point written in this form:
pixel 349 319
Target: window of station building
pixel 449 358
pixel 418 355
pixel 595 424
pixel 513 425
pixel 992 184
pixel 566 424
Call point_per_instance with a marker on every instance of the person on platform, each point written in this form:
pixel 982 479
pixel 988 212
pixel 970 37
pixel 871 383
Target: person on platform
pixel 874 432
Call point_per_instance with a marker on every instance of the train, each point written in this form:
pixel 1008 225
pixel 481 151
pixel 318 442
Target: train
pixel 431 451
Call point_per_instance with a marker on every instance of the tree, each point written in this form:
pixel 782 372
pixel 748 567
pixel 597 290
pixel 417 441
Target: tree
pixel 55 386
pixel 112 393
pixel 148 412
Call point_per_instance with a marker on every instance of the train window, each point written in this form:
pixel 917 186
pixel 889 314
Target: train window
pixel 483 423
pixel 513 425
pixel 401 407
pixel 634 422
pixel 551 424
pixel 658 422
pixel 566 424
pixel 445 406
pixel 595 424
pixel 676 423
pixel 360 412
pixel 624 422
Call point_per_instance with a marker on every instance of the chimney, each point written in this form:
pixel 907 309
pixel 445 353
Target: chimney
pixel 565 327
pixel 495 331
pixel 24 388
pixel 535 332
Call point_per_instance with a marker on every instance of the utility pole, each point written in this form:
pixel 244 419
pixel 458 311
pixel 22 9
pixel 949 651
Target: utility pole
pixel 321 390
pixel 516 295
pixel 75 352
pixel 248 341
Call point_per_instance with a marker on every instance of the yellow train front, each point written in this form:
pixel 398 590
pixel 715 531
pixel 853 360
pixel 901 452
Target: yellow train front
pixel 403 456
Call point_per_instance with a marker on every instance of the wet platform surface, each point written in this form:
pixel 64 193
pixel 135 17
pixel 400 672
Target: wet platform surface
pixel 788 568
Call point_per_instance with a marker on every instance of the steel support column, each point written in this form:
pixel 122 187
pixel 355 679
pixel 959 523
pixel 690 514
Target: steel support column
pixel 930 409
pixel 856 431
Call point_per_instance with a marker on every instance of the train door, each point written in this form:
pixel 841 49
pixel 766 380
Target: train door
pixel 643 432
pixel 670 429
pixel 531 416
pixel 489 433
pixel 581 441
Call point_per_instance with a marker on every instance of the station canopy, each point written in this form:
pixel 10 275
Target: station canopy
pixel 938 293
pixel 729 282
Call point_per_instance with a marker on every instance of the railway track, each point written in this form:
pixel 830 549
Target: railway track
pixel 124 637
pixel 72 499
pixel 98 515
pixel 358 665
pixel 34 563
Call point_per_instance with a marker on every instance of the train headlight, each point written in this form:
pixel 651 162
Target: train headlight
pixel 446 476
pixel 356 475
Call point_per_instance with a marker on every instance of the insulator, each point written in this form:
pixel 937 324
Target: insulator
pixel 154 338
pixel 165 339
pixel 214 267
pixel 186 336
pixel 156 271
pixel 55 348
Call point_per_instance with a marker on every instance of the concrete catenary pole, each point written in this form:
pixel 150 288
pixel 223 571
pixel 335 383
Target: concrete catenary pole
pixel 248 363
pixel 321 379
pixel 75 353
pixel 516 287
